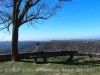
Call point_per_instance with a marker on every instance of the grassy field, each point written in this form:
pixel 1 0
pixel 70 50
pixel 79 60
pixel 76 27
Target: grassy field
pixel 82 65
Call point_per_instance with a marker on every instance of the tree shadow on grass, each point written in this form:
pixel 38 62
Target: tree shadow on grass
pixel 76 62
pixel 92 62
pixel 65 62
pixel 27 61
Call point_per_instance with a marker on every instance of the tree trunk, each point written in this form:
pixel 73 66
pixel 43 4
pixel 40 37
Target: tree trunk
pixel 14 46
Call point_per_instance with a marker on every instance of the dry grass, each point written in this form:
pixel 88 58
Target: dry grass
pixel 82 65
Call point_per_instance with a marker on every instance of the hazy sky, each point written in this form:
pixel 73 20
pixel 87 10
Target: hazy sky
pixel 76 20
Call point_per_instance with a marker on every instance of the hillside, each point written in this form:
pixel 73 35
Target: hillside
pixel 80 46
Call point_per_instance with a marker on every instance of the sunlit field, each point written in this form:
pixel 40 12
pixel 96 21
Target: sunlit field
pixel 81 65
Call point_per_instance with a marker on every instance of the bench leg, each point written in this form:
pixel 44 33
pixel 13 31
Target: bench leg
pixel 70 59
pixel 45 60
pixel 35 60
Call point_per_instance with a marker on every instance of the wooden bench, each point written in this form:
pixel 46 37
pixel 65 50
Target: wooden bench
pixel 46 55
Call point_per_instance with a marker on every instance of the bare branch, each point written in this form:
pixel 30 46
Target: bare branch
pixel 43 12
pixel 6 27
pixel 18 3
pixel 28 5
pixel 31 11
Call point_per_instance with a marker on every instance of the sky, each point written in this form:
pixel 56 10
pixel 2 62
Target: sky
pixel 79 19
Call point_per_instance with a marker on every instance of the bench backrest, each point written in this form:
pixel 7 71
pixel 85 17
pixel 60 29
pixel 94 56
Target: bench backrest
pixel 58 53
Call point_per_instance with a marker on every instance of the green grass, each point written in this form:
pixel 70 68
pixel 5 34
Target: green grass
pixel 82 65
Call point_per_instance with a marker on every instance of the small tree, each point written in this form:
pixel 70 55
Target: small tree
pixel 19 12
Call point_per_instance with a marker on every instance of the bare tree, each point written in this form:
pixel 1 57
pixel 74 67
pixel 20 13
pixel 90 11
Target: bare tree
pixel 19 12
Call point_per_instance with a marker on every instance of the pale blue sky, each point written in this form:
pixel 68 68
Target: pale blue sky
pixel 76 20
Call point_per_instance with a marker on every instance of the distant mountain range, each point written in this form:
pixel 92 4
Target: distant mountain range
pixel 75 44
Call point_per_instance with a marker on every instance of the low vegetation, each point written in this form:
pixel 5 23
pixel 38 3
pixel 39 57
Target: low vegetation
pixel 80 46
pixel 82 65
